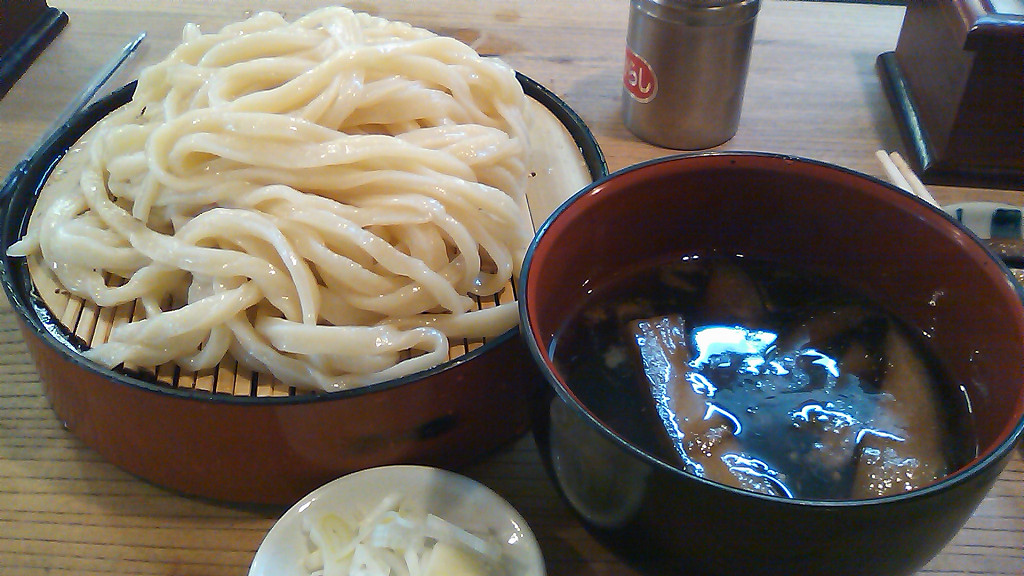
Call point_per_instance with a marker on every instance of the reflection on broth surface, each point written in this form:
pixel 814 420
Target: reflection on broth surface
pixel 765 379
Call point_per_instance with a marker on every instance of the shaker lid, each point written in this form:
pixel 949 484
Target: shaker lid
pixel 700 12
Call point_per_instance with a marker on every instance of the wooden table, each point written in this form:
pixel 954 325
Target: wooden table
pixel 812 92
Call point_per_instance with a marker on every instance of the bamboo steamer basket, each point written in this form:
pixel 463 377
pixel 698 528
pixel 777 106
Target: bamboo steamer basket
pixel 232 435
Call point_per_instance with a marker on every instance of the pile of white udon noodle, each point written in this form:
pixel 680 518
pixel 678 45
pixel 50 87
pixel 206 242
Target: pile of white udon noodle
pixel 320 199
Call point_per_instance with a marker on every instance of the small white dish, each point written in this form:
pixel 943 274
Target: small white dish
pixel 453 497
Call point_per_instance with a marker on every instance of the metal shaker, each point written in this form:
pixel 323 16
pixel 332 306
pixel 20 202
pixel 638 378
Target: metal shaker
pixel 686 68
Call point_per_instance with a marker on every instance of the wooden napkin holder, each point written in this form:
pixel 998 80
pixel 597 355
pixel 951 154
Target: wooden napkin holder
pixel 956 86
pixel 26 27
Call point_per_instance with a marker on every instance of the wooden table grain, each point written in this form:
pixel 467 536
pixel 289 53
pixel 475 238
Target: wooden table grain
pixel 812 92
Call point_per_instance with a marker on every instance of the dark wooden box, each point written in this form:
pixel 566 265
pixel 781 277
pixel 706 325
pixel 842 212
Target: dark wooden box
pixel 26 27
pixel 956 85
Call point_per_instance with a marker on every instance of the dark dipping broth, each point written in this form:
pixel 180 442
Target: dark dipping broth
pixel 766 379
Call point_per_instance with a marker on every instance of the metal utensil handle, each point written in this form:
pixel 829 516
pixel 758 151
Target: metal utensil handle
pixel 73 107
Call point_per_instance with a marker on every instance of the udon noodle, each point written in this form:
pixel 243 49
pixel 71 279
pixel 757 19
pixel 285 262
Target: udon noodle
pixel 321 200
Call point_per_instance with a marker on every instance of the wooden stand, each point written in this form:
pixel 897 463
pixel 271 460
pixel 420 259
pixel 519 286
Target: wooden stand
pixel 26 27
pixel 956 86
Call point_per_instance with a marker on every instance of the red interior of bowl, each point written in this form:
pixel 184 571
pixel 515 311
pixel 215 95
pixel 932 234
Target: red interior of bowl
pixel 890 246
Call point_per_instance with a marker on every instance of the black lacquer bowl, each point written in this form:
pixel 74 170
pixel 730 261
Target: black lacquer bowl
pixel 895 249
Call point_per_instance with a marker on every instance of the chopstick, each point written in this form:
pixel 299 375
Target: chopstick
pixel 901 175
pixel 76 105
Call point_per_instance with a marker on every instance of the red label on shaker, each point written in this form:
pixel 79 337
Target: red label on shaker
pixel 639 78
